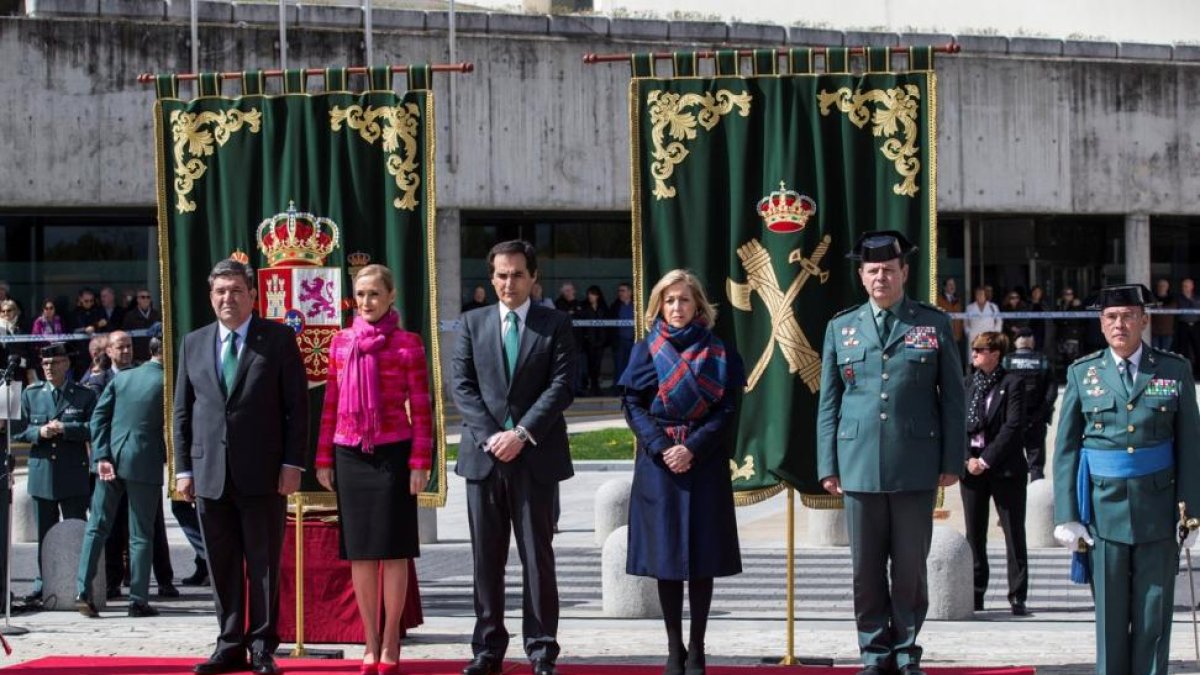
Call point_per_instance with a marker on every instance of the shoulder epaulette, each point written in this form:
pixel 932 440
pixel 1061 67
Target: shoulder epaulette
pixel 37 385
pixel 1170 354
pixel 926 305
pixel 846 311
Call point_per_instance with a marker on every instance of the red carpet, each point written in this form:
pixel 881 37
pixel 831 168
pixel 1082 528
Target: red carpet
pixel 127 665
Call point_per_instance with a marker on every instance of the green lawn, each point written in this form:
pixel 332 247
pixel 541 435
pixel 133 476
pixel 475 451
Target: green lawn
pixel 603 444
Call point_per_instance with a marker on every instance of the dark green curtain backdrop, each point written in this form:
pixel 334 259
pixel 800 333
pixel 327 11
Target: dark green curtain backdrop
pixel 364 160
pixel 706 150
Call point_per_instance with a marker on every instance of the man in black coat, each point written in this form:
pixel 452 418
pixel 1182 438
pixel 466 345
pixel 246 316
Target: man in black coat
pixel 514 366
pixel 241 430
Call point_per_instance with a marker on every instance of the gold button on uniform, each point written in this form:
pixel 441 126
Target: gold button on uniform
pixel 883 416
pixel 1129 428
pixel 883 396
pixel 922 359
pixel 885 376
pixel 885 357
pixel 1129 450
pixel 1129 406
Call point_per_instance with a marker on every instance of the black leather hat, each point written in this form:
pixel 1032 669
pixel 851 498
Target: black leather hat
pixel 881 246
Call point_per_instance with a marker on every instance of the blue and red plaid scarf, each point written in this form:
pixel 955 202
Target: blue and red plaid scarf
pixel 692 374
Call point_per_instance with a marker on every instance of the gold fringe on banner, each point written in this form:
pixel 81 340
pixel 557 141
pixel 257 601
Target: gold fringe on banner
pixel 751 497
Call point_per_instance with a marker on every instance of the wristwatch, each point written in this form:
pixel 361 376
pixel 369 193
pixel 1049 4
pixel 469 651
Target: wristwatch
pixel 522 434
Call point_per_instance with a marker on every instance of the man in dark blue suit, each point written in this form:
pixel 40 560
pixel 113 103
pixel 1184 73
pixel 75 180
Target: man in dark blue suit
pixel 514 365
pixel 241 430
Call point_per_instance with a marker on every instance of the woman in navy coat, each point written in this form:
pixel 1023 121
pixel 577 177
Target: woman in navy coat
pixel 679 394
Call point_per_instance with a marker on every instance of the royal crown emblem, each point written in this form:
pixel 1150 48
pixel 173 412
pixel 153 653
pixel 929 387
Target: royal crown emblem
pixel 785 211
pixel 356 261
pixel 292 238
pixel 240 256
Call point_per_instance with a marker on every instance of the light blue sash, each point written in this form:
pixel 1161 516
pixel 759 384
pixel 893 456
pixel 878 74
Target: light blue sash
pixel 1118 464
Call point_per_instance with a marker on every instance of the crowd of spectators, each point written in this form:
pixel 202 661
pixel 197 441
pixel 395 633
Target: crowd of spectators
pixel 94 313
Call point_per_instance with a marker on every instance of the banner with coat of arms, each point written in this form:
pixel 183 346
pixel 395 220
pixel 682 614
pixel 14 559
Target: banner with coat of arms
pixel 760 179
pixel 307 187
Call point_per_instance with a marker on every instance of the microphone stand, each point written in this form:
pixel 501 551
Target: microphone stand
pixel 7 478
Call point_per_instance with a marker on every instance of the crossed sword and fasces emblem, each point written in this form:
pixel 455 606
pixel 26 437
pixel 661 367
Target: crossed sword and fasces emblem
pixel 801 358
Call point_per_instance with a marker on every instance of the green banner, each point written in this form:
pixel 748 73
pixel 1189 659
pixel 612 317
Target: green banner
pixel 306 187
pixel 760 185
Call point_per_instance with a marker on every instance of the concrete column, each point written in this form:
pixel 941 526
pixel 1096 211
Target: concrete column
pixel 1137 253
pixel 1137 249
pixel 449 280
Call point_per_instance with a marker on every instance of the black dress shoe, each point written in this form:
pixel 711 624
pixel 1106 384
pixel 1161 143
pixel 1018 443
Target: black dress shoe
pixel 694 664
pixel 168 590
pixel 1019 609
pixel 34 597
pixel 113 593
pixel 263 663
pixel 141 609
pixel 86 607
pixel 482 665
pixel 872 670
pixel 199 577
pixel 218 664
pixel 544 667
pixel 675 659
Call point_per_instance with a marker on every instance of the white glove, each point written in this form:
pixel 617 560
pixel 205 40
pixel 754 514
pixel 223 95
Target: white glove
pixel 1069 534
pixel 1190 540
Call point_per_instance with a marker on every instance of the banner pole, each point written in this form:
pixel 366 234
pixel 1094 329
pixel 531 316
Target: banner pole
pixel 368 30
pixel 283 34
pixel 298 500
pixel 789 658
pixel 148 78
pixel 195 36
pixel 451 159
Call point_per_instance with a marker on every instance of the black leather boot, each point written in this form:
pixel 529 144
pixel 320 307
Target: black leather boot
pixel 695 660
pixel 676 655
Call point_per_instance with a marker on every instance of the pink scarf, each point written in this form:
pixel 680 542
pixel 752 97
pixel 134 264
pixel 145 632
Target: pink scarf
pixel 359 399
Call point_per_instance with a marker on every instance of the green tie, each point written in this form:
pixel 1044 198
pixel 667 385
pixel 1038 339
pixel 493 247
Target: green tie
pixel 229 363
pixel 512 344
pixel 885 325
pixel 1127 375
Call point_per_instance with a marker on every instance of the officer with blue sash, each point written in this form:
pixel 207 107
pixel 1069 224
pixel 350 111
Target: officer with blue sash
pixel 1127 453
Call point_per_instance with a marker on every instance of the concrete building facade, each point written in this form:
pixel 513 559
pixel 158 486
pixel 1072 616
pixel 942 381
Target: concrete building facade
pixel 1059 162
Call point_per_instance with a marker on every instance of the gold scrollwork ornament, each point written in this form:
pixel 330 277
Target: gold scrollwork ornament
pixel 895 119
pixel 670 116
pixel 399 136
pixel 191 136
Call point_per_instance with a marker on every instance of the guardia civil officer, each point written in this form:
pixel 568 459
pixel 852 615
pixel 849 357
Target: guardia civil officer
pixel 1039 394
pixel 54 421
pixel 890 430
pixel 1127 453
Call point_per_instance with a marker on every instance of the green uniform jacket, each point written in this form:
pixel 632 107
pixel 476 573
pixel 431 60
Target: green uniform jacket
pixel 127 426
pixel 58 467
pixel 891 416
pixel 1097 413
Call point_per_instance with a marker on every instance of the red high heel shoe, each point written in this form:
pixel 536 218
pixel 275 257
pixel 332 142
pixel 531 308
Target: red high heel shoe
pixel 389 669
pixel 368 669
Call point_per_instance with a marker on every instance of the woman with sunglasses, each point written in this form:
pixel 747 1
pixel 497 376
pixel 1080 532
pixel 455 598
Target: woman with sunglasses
pixel 49 323
pixel 995 466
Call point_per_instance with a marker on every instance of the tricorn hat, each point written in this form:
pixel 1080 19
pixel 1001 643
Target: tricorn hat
pixel 55 349
pixel 881 246
pixel 1124 295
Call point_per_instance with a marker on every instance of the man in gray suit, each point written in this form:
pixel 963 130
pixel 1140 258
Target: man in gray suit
pixel 241 430
pixel 514 365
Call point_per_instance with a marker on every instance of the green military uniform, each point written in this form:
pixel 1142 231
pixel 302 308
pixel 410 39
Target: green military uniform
pixel 891 420
pixel 1133 519
pixel 127 430
pixel 58 466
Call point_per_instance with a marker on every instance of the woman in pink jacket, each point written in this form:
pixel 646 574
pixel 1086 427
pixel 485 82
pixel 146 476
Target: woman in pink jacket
pixel 376 438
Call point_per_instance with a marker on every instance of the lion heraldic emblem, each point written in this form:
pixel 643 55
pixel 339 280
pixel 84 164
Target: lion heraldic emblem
pixel 783 211
pixel 295 289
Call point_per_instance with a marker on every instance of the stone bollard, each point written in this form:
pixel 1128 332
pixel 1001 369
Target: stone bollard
pixel 951 576
pixel 826 527
pixel 427 530
pixel 625 596
pixel 611 507
pixel 60 565
pixel 1039 515
pixel 23 518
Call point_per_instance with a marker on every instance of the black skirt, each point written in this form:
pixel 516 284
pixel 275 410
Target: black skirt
pixel 376 513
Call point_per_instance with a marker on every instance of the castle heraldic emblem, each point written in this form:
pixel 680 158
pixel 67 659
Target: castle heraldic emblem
pixel 783 211
pixel 295 289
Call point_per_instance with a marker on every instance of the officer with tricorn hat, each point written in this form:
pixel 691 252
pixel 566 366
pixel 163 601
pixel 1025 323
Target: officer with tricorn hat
pixel 1127 454
pixel 54 420
pixel 890 430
